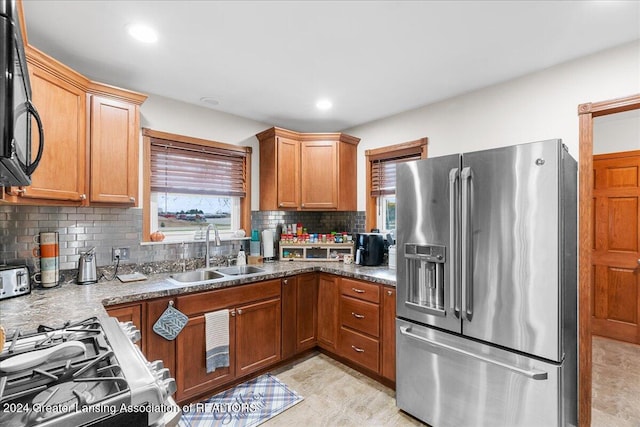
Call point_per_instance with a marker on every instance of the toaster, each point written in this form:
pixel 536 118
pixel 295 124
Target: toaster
pixel 14 281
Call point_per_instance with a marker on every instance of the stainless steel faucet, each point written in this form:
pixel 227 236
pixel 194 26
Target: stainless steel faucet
pixel 216 242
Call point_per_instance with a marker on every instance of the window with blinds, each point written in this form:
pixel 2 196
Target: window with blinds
pixel 381 181
pixel 383 174
pixel 178 167
pixel 191 184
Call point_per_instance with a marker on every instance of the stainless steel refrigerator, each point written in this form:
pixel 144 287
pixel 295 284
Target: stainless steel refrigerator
pixel 486 288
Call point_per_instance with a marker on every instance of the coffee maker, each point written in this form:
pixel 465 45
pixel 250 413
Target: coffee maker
pixel 369 249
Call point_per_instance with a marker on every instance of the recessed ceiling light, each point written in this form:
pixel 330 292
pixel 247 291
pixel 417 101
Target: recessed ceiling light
pixel 143 33
pixel 323 104
pixel 209 100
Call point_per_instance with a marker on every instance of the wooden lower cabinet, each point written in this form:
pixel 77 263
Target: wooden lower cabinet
pixel 307 311
pixel 388 341
pixel 359 348
pixel 328 293
pixel 299 313
pixel 359 338
pixel 191 374
pixel 270 321
pixel 289 316
pixel 257 336
pixel 129 313
pixel 254 335
pixel 156 347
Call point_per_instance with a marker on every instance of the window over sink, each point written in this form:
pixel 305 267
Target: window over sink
pixel 191 183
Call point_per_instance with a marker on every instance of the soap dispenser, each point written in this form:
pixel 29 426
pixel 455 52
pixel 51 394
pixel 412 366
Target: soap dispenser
pixel 242 257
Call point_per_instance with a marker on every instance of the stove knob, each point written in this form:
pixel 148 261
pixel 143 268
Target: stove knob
pixel 162 374
pixel 156 365
pixel 170 386
pixel 131 331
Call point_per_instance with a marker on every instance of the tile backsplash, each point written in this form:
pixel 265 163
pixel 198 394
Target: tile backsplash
pixel 315 222
pixel 81 228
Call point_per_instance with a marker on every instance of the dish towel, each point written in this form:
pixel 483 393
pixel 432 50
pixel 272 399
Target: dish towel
pixel 217 339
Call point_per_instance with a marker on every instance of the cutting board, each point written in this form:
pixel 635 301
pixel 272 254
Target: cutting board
pixel 133 277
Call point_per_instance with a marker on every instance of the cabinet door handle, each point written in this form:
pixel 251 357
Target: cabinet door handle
pixel 132 199
pixel 357 316
pixel 239 311
pixel 303 205
pixel 359 291
pixel 285 281
pixel 389 293
pixel 281 204
pixel 21 191
pixel 232 312
pixel 357 349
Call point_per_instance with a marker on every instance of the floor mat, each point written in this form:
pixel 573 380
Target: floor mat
pixel 248 404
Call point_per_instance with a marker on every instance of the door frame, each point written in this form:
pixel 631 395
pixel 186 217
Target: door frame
pixel 586 113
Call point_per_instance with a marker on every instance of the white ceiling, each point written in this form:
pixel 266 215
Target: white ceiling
pixel 272 60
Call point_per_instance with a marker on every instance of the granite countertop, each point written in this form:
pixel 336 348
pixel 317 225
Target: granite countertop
pixel 54 306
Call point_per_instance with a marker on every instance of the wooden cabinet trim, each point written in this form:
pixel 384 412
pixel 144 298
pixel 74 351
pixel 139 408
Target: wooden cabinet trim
pixel 205 302
pixel 55 68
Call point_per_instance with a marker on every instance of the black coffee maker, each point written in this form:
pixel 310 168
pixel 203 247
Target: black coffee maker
pixel 369 249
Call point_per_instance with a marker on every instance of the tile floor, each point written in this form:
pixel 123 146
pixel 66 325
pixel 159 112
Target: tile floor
pixel 336 395
pixel 616 384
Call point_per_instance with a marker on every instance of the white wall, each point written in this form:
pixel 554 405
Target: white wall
pixel 616 132
pixel 538 106
pixel 168 115
pixel 534 107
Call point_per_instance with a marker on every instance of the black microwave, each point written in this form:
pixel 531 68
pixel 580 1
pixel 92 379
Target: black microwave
pixel 16 110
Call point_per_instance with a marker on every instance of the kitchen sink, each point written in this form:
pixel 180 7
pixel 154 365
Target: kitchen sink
pixel 242 269
pixel 196 276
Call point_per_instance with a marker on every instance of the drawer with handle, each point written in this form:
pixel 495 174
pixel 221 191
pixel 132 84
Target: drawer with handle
pixel 359 348
pixel 360 315
pixel 361 290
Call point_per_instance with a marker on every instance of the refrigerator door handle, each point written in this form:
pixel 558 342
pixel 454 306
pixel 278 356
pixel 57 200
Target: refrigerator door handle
pixel 454 302
pixel 466 177
pixel 534 374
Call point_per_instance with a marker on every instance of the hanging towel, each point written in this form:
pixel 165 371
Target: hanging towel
pixel 217 339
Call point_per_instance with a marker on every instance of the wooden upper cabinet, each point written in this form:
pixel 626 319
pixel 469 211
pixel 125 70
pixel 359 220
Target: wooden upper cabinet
pixel 114 150
pixel 90 139
pixel 59 96
pixel 307 171
pixel 319 178
pixel 288 169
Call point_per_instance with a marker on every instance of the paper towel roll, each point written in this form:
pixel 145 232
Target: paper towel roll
pixel 267 243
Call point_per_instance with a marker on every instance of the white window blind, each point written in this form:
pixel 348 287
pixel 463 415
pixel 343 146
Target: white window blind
pixel 178 167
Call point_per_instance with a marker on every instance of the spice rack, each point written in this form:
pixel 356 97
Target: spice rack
pixel 315 251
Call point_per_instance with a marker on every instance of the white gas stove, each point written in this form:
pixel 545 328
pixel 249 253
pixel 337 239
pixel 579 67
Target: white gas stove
pixel 88 373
